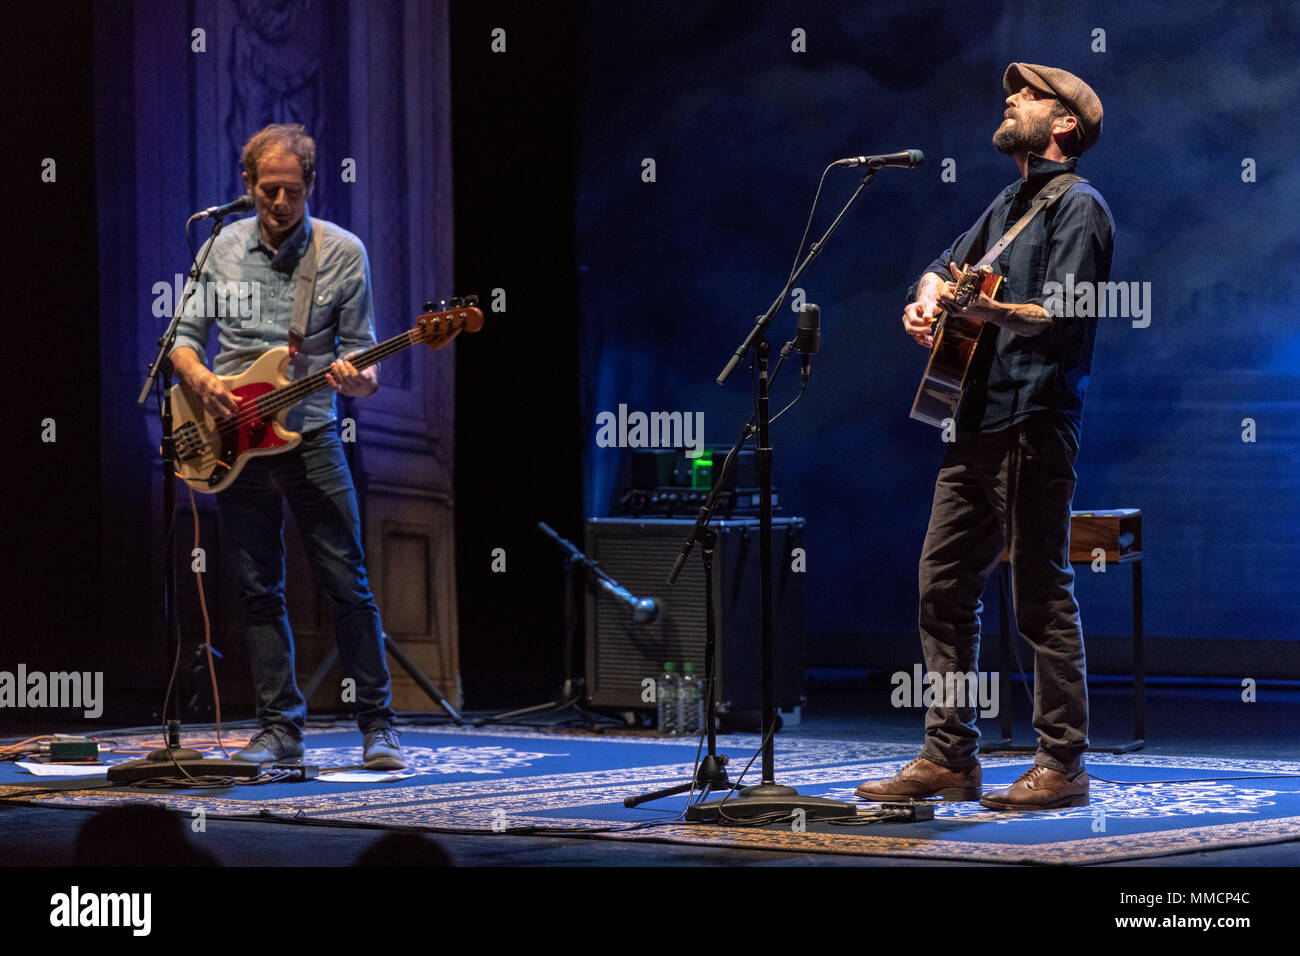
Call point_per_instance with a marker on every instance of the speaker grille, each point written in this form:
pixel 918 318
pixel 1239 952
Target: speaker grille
pixel 639 553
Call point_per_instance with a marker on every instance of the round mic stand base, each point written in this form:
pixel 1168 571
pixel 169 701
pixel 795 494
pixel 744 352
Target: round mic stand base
pixel 769 799
pixel 176 761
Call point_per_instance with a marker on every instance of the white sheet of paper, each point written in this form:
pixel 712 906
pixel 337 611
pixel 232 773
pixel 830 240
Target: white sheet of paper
pixel 64 769
pixel 363 776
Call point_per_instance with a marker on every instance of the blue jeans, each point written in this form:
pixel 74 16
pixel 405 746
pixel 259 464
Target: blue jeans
pixel 314 478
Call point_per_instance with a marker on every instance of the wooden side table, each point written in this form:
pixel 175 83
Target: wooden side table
pixel 1118 533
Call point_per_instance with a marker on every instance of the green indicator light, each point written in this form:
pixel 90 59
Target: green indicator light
pixel 702 472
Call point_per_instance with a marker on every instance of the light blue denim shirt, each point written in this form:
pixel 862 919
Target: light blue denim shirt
pixel 249 291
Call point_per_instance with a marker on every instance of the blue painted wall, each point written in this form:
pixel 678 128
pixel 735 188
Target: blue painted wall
pixel 740 126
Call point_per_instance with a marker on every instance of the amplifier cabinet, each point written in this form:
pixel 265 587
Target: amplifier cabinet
pixel 638 553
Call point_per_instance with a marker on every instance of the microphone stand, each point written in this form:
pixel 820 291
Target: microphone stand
pixel 767 798
pixel 574 688
pixel 172 756
pixel 712 772
pixel 413 669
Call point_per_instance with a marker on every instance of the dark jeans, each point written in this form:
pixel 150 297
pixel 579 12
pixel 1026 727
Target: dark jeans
pixel 1013 485
pixel 315 480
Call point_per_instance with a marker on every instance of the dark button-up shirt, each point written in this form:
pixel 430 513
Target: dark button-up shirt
pixel 249 291
pixel 1015 376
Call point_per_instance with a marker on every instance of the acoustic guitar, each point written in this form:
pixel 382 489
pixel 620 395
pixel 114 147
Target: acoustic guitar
pixel 943 386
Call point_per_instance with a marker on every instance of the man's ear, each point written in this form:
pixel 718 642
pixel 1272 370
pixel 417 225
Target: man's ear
pixel 248 187
pixel 311 184
pixel 1063 125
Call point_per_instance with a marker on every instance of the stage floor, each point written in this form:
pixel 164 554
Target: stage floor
pixel 1145 810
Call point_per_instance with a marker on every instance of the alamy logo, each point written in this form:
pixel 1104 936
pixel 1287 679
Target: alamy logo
pixel 70 689
pixel 75 908
pixel 952 689
pixel 217 299
pixel 653 430
pixel 1088 300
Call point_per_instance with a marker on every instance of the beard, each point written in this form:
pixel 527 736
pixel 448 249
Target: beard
pixel 1022 136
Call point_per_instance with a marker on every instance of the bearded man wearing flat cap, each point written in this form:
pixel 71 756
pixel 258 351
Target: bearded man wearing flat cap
pixel 1008 478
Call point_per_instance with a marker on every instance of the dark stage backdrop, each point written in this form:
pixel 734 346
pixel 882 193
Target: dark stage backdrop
pixel 179 88
pixel 1196 162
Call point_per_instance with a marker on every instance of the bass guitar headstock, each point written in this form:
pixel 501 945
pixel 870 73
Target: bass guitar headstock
pixel 443 321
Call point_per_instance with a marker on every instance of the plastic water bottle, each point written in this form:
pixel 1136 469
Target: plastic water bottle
pixel 666 694
pixel 690 702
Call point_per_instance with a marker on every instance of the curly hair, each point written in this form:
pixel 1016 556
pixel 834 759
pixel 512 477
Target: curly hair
pixel 290 137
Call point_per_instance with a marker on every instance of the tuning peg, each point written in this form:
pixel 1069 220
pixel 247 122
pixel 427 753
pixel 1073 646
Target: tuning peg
pixel 471 300
pixel 429 306
pixel 456 302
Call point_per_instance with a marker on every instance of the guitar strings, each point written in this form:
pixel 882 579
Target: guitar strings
pixel 257 410
pixel 292 393
pixel 265 405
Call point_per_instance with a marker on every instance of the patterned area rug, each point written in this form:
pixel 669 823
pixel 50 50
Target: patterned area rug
pixel 502 780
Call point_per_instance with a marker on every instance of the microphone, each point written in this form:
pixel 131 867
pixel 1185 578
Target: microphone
pixel 808 337
pixel 908 159
pixel 643 611
pixel 242 204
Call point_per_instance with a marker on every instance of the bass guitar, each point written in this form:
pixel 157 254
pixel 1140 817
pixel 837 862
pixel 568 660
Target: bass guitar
pixel 211 452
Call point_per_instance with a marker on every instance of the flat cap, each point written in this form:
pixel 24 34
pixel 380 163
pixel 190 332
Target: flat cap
pixel 1077 95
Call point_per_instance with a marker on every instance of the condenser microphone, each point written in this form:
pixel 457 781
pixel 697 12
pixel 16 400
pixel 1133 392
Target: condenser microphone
pixel 808 337
pixel 908 159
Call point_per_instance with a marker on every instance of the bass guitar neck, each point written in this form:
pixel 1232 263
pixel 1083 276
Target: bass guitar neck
pixel 211 452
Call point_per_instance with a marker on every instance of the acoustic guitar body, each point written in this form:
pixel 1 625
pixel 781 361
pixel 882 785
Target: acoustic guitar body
pixel 946 376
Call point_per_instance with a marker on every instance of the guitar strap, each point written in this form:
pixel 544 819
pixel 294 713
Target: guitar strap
pixel 306 288
pixel 1054 190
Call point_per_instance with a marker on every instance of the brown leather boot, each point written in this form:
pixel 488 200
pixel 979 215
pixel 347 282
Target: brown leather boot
pixel 923 778
pixel 1041 788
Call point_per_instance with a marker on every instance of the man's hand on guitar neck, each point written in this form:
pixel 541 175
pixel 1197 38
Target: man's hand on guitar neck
pixel 1025 319
pixel 345 379
pixel 218 400
pixel 919 316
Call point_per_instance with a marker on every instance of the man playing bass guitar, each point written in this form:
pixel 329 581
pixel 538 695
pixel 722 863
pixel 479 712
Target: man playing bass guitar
pixel 269 253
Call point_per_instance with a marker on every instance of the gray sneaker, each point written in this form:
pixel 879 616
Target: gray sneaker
pixel 382 751
pixel 272 746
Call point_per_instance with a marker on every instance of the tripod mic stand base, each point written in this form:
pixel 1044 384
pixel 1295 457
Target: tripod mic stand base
pixel 769 798
pixel 711 777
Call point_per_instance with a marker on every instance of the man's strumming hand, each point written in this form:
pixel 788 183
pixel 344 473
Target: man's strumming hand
pixel 217 398
pixel 918 317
